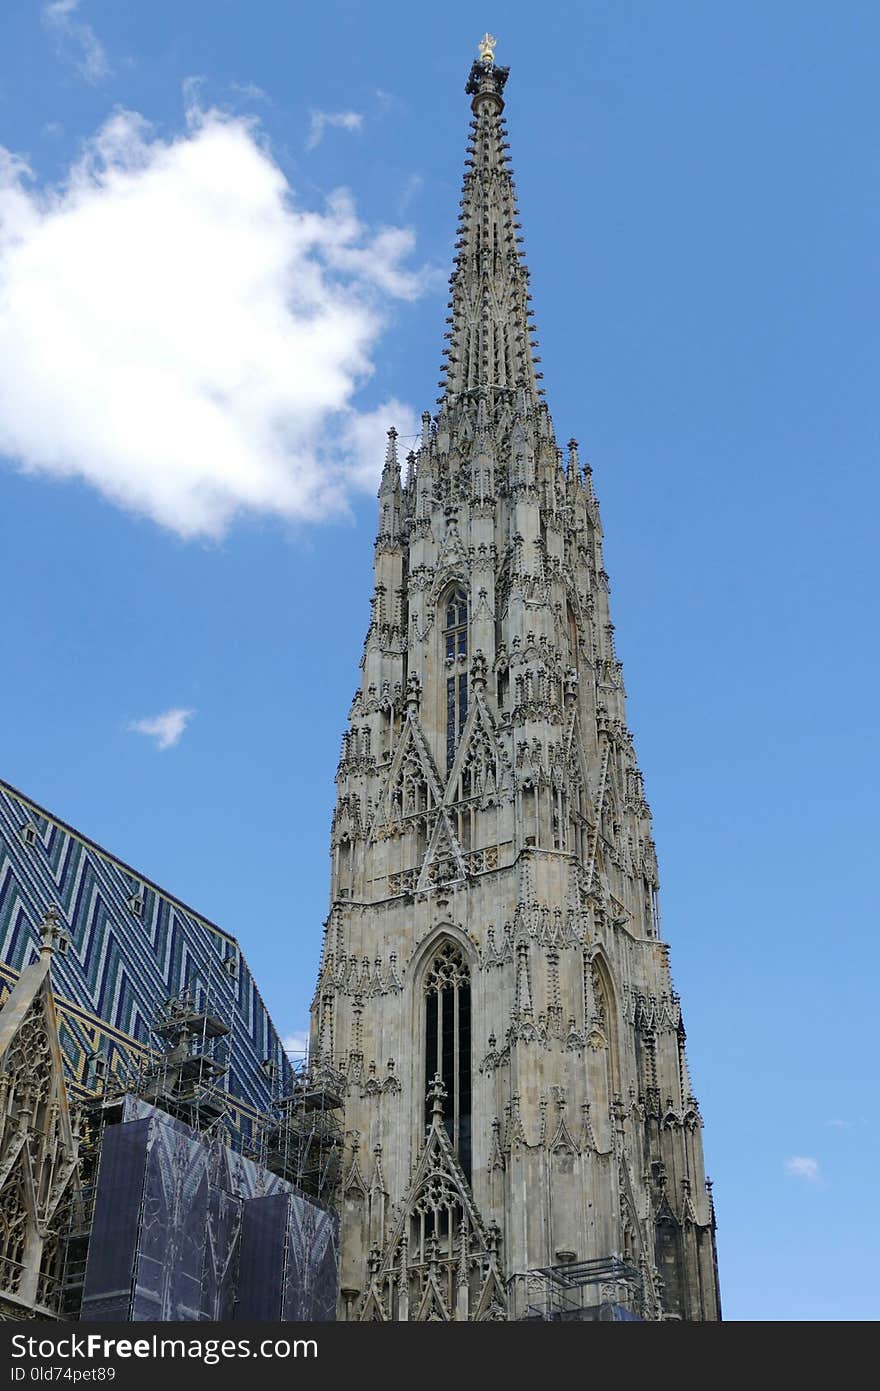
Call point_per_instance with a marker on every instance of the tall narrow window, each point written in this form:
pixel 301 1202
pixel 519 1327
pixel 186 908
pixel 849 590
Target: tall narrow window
pixel 456 624
pixel 456 714
pixel 573 644
pixel 455 642
pixel 448 1043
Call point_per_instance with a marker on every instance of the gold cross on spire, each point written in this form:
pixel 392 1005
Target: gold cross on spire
pixel 486 48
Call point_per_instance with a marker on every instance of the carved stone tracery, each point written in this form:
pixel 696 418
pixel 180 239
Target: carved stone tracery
pixel 522 820
pixel 38 1141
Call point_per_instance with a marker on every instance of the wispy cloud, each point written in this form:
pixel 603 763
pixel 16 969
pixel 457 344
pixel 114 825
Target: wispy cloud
pixel 166 728
pixel 180 334
pixel 251 92
pixel 296 1044
pixel 410 191
pixel 61 18
pixel 388 101
pixel 342 120
pixel 803 1167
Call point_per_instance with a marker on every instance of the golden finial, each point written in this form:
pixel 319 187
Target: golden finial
pixel 486 48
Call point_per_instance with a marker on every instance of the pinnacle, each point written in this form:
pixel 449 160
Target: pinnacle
pixel 391 470
pixel 573 470
pixel 490 346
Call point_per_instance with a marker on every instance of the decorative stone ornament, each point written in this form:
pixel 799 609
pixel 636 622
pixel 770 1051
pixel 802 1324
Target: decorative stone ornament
pixel 492 844
pixel 39 1140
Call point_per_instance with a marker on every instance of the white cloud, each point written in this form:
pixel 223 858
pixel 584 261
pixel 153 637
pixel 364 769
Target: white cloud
pixel 296 1044
pixel 61 17
pixel 251 92
pixel 166 728
pixel 364 438
pixel 801 1166
pixel 178 333
pixel 342 120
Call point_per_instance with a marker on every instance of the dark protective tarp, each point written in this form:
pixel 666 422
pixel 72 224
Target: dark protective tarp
pixel 185 1229
pixel 116 1223
pixel 261 1264
pixel 174 1223
pixel 220 1265
pixel 310 1281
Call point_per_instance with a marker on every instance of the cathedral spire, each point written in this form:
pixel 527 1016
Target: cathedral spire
pixel 490 345
pixel 491 825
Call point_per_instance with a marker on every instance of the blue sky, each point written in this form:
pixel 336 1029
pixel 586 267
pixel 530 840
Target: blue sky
pixel 186 514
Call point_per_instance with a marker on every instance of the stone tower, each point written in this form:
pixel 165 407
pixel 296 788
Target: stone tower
pixel 521 1134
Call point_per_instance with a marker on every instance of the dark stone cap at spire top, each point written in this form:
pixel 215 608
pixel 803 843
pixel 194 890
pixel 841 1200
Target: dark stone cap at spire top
pixel 490 340
pixel 486 81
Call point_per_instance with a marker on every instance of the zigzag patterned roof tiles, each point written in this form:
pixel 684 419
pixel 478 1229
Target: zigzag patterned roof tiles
pixel 122 964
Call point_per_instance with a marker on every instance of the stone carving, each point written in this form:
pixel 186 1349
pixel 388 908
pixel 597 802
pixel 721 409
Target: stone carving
pixel 489 797
pixel 39 1141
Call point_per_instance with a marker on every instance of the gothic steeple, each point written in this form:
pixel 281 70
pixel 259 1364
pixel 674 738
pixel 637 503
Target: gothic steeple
pixel 492 857
pixel 490 348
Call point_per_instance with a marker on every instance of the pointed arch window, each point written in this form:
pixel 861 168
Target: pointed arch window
pixel 573 642
pixel 447 988
pixel 455 646
pixel 455 628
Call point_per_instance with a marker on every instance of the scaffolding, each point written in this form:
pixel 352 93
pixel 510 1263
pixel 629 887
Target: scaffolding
pixel 300 1139
pixel 95 1116
pixel 185 1079
pixel 607 1289
pixel 304 1144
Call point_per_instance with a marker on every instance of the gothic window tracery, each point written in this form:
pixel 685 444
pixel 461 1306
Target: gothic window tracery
pixel 455 629
pixel 447 990
pixel 573 643
pixel 476 786
pixel 599 996
pixel 13 1230
pixel 37 1155
pixel 414 802
pixel 435 1221
pixel 455 647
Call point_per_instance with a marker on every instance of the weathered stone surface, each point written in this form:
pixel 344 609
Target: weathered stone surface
pixel 39 1140
pixel 494 915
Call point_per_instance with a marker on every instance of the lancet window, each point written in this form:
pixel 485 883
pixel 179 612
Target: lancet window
pixel 447 989
pixel 455 646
